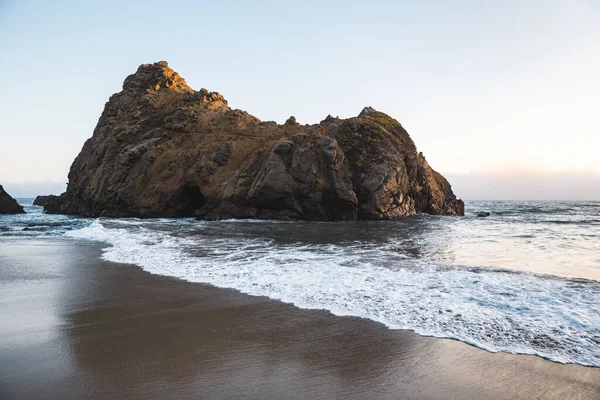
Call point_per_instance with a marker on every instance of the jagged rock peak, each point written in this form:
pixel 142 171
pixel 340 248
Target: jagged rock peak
pixel 204 96
pixel 367 111
pixel 377 116
pixel 153 77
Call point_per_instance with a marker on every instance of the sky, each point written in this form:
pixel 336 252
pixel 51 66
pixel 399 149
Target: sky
pixel 502 97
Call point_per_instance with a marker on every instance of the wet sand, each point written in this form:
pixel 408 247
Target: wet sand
pixel 73 326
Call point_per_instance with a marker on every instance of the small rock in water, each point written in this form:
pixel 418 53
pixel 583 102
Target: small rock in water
pixel 484 214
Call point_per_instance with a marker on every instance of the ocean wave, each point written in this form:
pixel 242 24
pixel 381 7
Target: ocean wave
pixel 37 224
pixel 494 309
pixel 571 222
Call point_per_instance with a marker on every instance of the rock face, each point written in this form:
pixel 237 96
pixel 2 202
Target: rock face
pixel 161 149
pixel 8 205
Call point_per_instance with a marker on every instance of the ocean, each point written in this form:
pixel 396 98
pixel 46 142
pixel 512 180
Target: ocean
pixel 525 280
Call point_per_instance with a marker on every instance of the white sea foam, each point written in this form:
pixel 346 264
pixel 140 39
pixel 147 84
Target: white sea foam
pixel 496 310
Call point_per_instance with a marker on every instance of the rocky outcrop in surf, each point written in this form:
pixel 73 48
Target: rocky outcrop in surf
pixel 162 149
pixel 42 201
pixel 54 204
pixel 8 205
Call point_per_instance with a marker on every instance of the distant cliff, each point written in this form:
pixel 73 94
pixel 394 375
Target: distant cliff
pixel 8 205
pixel 161 149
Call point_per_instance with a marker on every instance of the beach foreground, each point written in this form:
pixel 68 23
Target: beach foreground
pixel 74 326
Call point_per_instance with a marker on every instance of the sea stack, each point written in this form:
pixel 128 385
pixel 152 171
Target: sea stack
pixel 8 205
pixel 162 149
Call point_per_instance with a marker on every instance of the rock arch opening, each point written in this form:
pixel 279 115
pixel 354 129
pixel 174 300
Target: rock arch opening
pixel 191 200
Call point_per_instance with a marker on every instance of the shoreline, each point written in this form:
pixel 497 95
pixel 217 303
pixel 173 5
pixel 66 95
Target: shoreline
pixel 103 245
pixel 78 326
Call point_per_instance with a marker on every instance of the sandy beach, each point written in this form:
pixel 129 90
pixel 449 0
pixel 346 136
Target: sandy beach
pixel 74 326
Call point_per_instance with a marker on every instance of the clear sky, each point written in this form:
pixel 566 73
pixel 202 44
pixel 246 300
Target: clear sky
pixel 485 88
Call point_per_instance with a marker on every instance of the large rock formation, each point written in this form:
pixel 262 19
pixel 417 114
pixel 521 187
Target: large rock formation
pixel 8 205
pixel 161 149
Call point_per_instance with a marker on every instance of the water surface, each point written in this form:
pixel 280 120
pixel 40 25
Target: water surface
pixel 525 280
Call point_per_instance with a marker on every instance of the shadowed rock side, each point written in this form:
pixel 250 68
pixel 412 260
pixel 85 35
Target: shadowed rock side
pixel 8 205
pixel 161 149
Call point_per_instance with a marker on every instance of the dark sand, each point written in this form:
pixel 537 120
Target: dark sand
pixel 73 326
